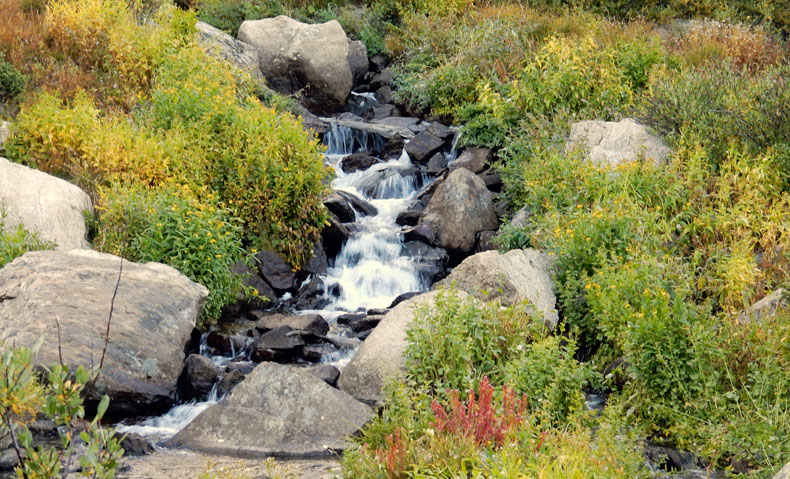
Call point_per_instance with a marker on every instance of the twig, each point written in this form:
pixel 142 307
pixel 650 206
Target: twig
pixel 60 348
pixel 109 322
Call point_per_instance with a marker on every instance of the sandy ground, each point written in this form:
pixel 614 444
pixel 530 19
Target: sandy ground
pixel 178 464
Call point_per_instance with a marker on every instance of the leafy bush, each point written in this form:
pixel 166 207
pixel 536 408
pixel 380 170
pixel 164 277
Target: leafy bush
pixel 17 241
pixel 457 343
pixel 200 239
pixel 12 82
pixel 25 397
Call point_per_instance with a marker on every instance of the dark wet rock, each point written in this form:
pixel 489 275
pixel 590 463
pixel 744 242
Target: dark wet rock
pixel 225 344
pixel 311 295
pixel 318 264
pixel 440 131
pixel 276 411
pixel 425 232
pixel 275 270
pixel 437 163
pixel 423 146
pixel 326 373
pixel 357 60
pixel 341 343
pixel 136 445
pixel 312 323
pixel 197 378
pixel 393 149
pixel 265 294
pixel 339 206
pixel 403 297
pixel 361 322
pixel 460 207
pixel 314 352
pixel 473 159
pixel 430 262
pixel 348 318
pixel 384 94
pixel 333 236
pixel 484 241
pixel 363 335
pixel 8 459
pixel 408 217
pixel 357 162
pixel 243 367
pixel 383 111
pixel 381 80
pixel 492 180
pixel 378 311
pixel 360 206
pixel 229 381
pixel 377 63
pixel 281 344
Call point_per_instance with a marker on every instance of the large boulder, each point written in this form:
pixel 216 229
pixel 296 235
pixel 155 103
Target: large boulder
pixel 784 473
pixel 221 45
pixel 276 411
pixel 511 277
pixel 614 142
pixel 381 356
pixel 460 207
pixel 51 207
pixel 316 61
pixel 154 312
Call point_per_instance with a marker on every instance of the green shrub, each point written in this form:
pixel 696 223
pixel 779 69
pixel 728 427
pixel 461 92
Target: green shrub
pixel 455 344
pixel 551 378
pixel 25 396
pixel 17 241
pixel 200 239
pixel 12 82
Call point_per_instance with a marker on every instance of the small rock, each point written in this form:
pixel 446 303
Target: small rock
pixel 339 206
pixel 226 344
pixel 439 130
pixel 275 270
pixel 314 352
pixel 403 297
pixel 377 63
pixel 384 94
pixel 484 241
pixel 334 235
pixel 136 445
pixel 408 217
pixel 312 323
pixel 197 378
pixel 318 264
pixel 244 367
pixel 357 162
pixel 281 344
pixel 492 180
pixel 423 146
pixel 437 163
pixel 251 279
pixel 424 232
pixel 229 381
pixel 384 111
pixel 430 262
pixel 326 373
pixel 382 79
pixel 473 159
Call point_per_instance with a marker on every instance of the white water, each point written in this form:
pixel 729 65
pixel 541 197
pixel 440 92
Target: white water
pixel 161 428
pixel 370 268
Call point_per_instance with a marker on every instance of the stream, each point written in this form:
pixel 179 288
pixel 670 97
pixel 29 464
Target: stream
pixel 370 271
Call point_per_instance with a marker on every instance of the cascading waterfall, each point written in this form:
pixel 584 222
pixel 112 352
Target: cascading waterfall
pixel 369 271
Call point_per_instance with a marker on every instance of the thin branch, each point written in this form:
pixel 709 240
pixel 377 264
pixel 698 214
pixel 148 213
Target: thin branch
pixel 60 343
pixel 109 322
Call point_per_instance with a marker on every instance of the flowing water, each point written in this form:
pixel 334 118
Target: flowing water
pixel 370 270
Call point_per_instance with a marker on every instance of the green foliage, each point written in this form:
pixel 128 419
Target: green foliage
pixel 12 82
pixel 200 239
pixel 25 396
pixel 17 241
pixel 455 344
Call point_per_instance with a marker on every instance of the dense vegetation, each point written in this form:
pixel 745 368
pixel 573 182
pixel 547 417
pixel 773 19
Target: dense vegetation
pixel 185 163
pixel 654 263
